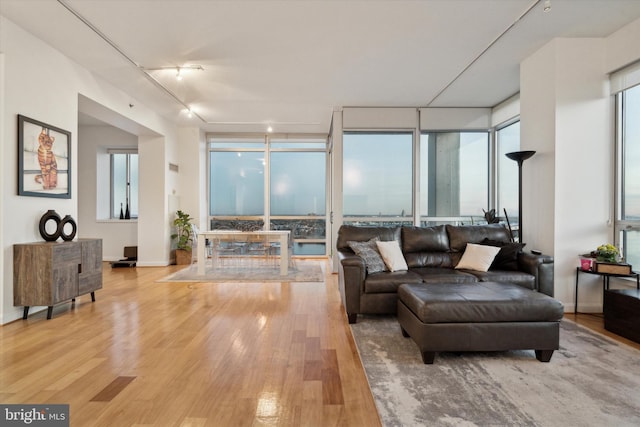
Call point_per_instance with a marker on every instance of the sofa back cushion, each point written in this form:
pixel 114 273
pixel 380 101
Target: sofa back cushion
pixel 426 247
pixel 348 233
pixel 460 235
pixel 424 239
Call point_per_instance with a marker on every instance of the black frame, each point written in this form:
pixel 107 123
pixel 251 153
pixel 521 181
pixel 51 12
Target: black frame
pixel 30 130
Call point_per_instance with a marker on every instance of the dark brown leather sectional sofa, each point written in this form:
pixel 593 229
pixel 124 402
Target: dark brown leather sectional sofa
pixel 431 254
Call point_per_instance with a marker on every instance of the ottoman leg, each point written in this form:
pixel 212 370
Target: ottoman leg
pixel 428 357
pixel 404 333
pixel 544 355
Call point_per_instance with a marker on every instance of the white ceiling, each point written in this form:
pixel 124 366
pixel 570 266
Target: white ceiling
pixel 289 64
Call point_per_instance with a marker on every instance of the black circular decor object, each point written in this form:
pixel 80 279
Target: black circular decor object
pixel 68 220
pixel 50 215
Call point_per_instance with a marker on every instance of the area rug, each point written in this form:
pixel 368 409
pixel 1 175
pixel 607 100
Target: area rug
pixel 591 381
pixel 304 271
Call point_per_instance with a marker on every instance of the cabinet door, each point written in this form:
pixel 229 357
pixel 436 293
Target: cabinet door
pixel 66 258
pixel 64 282
pixel 90 277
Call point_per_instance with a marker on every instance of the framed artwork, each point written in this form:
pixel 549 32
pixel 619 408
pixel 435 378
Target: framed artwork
pixel 44 159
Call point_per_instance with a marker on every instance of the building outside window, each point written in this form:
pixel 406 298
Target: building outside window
pixel 124 183
pixel 454 177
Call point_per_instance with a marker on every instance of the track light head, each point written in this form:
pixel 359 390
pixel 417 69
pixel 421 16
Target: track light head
pixel 547 5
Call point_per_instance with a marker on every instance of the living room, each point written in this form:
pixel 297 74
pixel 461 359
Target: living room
pixel 562 100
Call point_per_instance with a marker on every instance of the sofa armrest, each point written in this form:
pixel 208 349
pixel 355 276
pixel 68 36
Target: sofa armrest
pixel 540 266
pixel 351 274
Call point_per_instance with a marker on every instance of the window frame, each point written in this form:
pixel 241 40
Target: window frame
pixel 384 220
pixel 233 143
pixel 426 219
pixel 621 226
pixel 128 152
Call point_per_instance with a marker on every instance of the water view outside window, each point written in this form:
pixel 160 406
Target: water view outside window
pixel 294 189
pixel 454 175
pixel 508 140
pixel 630 188
pixel 295 199
pixel 377 176
pixel 236 187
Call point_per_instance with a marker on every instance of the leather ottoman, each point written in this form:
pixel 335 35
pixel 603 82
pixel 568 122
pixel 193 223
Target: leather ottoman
pixel 622 312
pixel 481 316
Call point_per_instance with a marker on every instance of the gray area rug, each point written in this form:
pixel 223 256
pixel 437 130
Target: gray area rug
pixel 590 381
pixel 303 271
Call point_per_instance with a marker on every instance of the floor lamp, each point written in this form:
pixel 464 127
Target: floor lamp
pixel 520 157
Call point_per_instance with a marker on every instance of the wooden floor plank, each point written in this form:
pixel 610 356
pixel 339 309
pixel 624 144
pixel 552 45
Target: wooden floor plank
pixel 216 354
pixel 112 390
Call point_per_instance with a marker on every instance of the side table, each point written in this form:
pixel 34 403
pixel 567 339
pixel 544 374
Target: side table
pixel 605 280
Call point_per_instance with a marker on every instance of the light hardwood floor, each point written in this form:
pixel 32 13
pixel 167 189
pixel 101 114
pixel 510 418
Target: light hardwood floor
pixel 191 354
pixel 196 354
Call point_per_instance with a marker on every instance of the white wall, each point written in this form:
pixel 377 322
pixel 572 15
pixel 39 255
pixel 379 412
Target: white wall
pixel 41 83
pixel 94 189
pixel 566 116
pixel 193 174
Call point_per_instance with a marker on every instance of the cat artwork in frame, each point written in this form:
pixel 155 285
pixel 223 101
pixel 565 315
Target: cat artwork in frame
pixel 44 159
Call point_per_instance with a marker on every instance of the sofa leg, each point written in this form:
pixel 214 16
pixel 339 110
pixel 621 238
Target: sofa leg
pixel 352 317
pixel 428 357
pixel 404 333
pixel 544 355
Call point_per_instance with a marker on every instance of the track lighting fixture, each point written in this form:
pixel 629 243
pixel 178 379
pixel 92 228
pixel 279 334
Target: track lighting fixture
pixel 547 5
pixel 178 69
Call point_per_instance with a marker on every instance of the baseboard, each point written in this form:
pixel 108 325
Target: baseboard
pixel 152 264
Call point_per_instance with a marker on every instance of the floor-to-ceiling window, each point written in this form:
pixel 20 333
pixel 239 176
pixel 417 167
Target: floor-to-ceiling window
pixel 270 183
pixel 454 177
pixel 298 193
pixel 628 167
pixel 507 141
pixel 377 177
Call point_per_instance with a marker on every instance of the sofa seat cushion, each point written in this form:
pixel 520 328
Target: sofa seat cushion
pixel 388 281
pixel 444 275
pixel 516 277
pixel 482 302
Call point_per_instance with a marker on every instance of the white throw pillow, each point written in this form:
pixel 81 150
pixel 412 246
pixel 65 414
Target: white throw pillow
pixel 477 257
pixel 392 255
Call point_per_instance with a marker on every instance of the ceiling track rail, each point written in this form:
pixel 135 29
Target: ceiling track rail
pixel 481 54
pixel 130 60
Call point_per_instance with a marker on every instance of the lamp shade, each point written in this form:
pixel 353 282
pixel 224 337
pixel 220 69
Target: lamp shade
pixel 520 156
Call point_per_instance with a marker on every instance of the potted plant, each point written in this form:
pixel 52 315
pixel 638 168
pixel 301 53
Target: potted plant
pixel 183 236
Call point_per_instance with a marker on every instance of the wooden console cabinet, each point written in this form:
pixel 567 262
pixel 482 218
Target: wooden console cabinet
pixel 48 273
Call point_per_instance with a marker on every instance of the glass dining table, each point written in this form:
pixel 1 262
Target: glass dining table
pixel 279 236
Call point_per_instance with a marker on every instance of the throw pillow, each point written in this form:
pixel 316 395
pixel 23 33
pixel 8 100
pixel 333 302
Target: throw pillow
pixel 477 257
pixel 368 251
pixel 392 255
pixel 507 258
